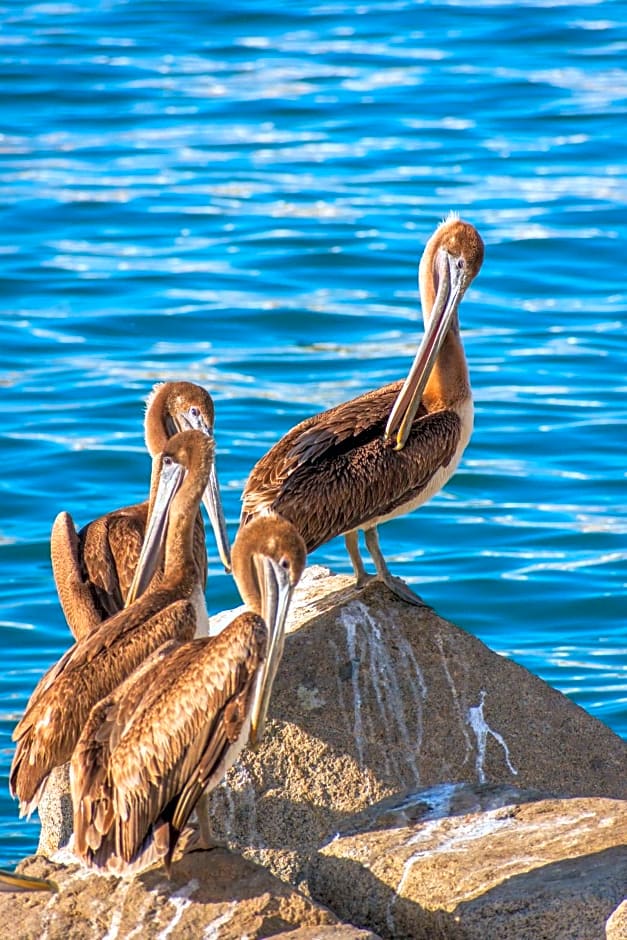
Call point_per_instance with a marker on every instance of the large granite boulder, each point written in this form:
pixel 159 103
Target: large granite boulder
pixel 616 927
pixel 374 697
pixel 212 894
pixel 478 863
pixel 509 798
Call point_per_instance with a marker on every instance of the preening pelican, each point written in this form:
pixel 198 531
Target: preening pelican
pixel 173 608
pixel 386 452
pixel 93 568
pixel 168 734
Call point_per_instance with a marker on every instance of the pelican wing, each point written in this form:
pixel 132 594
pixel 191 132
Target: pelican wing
pixel 74 593
pixel 343 481
pixel 61 702
pixel 111 549
pixel 101 733
pixel 317 440
pixel 158 741
pixel 94 567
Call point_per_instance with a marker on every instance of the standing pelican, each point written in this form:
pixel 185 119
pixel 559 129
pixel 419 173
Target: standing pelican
pixel 93 568
pixel 168 734
pixel 173 608
pixel 388 451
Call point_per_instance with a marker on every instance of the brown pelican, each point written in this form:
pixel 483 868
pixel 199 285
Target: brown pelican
pixel 168 734
pixel 169 609
pixel 13 881
pixel 93 568
pixel 388 451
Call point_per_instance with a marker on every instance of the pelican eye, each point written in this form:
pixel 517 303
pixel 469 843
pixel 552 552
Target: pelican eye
pixel 285 563
pixel 461 264
pixel 194 411
pixel 167 461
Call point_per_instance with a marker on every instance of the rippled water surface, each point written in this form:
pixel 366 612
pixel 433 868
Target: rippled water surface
pixel 240 197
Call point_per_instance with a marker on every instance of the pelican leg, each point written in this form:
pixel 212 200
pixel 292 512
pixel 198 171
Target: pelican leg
pixel 352 547
pixel 206 840
pixel 396 585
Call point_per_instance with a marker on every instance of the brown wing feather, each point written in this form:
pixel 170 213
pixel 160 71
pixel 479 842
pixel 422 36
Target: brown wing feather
pixel 111 546
pixel 151 748
pixel 93 568
pixel 75 595
pixel 62 700
pixel 317 440
pixel 335 472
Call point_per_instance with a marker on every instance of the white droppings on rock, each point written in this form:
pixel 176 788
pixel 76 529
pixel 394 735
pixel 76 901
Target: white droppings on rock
pixel 118 911
pixel 350 625
pixel 142 915
pixel 234 810
pixel 454 696
pixel 439 799
pixel 114 926
pixel 309 698
pixel 374 665
pixel 482 729
pixel 212 930
pixel 181 901
pixel 477 828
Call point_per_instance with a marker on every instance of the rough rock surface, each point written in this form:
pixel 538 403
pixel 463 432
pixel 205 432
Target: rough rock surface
pixel 478 864
pixel 211 894
pixel 616 927
pixel 374 697
pixel 341 932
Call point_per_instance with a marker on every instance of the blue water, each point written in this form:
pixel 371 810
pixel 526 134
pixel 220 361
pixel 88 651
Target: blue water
pixel 240 197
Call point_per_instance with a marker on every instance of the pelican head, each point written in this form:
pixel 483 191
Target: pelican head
pixel 269 557
pixel 451 260
pixel 184 406
pixel 184 467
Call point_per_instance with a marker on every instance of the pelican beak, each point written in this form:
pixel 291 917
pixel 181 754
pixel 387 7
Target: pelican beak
pixel 186 420
pixel 451 282
pixel 213 504
pixel 170 478
pixel 276 594
pixel 12 881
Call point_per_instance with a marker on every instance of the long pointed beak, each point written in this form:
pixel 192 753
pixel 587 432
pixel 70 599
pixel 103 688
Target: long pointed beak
pixel 449 294
pixel 13 881
pixel 276 594
pixel 212 501
pixel 213 504
pixel 170 479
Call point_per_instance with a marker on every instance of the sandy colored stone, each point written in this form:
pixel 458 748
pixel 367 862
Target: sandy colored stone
pixel 211 894
pixel 55 812
pixel 341 932
pixel 552 868
pixel 374 697
pixel 616 927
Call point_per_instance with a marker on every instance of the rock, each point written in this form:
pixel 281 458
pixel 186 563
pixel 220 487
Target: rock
pixel 501 868
pixel 616 927
pixel 212 894
pixel 55 812
pixel 342 932
pixel 375 697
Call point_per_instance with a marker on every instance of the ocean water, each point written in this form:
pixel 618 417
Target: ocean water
pixel 238 194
